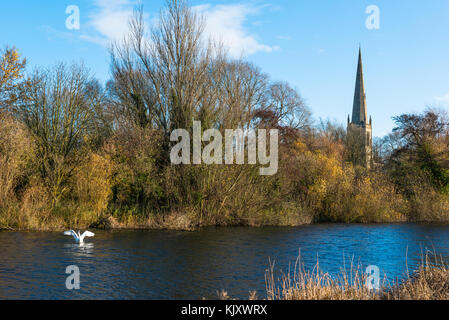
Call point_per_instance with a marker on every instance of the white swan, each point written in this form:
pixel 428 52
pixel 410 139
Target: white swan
pixel 79 238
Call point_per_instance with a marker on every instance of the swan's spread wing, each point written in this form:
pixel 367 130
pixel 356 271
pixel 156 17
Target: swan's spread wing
pixel 71 233
pixel 87 234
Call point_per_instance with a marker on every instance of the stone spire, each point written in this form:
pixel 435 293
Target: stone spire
pixel 360 128
pixel 359 112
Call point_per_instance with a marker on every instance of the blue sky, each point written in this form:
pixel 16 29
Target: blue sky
pixel 311 44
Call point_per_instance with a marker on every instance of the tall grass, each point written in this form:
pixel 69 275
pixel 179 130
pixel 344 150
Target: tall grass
pixel 429 282
pixel 315 284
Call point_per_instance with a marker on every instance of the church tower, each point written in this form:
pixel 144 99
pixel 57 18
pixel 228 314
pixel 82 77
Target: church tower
pixel 360 129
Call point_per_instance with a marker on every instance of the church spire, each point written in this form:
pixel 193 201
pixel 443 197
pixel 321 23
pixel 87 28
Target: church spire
pixel 359 112
pixel 361 127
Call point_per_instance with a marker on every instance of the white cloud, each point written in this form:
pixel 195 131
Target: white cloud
pixel 225 23
pixel 109 20
pixel 442 99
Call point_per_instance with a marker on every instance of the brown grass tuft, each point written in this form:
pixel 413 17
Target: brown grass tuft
pixel 430 282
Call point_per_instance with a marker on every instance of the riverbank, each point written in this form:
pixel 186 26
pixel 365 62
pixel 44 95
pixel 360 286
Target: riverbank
pixel 172 222
pixel 36 213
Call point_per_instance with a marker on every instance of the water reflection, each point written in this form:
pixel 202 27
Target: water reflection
pixel 80 249
pixel 179 265
pixel 85 248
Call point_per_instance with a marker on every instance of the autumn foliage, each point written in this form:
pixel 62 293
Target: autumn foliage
pixel 75 153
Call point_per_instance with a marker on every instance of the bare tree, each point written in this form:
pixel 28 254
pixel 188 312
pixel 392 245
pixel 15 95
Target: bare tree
pixel 242 87
pixel 163 75
pixel 288 106
pixel 384 147
pixel 60 107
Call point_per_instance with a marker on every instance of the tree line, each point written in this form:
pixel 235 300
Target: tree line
pixel 76 153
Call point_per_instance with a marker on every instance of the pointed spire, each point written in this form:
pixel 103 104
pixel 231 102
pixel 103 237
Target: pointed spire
pixel 359 112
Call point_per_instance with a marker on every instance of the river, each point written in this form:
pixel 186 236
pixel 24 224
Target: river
pixel 193 265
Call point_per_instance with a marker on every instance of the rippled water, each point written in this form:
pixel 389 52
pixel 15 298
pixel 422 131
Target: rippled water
pixel 181 265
